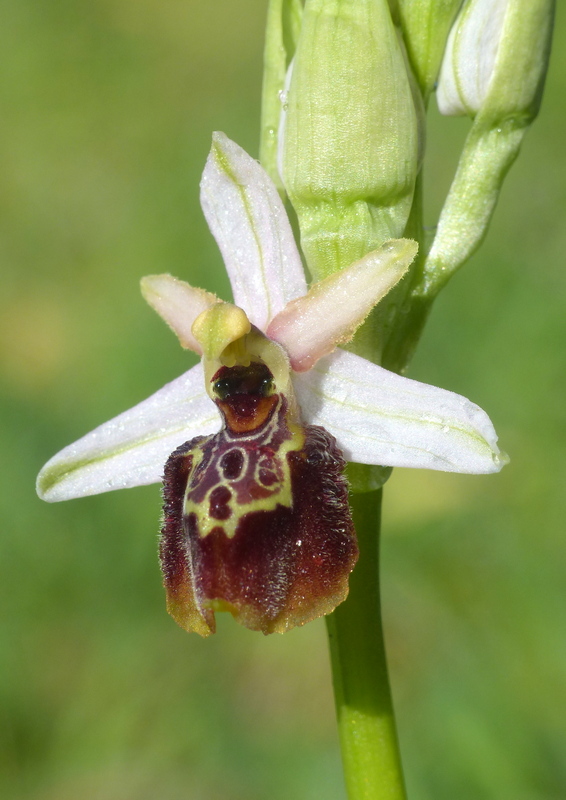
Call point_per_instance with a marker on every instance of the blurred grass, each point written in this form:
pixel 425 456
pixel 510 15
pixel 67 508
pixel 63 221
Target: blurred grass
pixel 107 112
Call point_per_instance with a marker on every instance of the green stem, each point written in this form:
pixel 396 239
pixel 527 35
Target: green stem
pixel 368 738
pixel 366 721
pixel 281 35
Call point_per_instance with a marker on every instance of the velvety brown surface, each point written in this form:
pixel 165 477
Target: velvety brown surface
pixel 283 566
pixel 286 566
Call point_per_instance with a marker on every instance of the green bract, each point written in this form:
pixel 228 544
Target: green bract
pixel 281 36
pixel 426 24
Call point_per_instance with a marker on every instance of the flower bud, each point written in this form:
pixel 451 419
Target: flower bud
pixel 496 58
pixel 494 70
pixel 348 138
pixel 426 25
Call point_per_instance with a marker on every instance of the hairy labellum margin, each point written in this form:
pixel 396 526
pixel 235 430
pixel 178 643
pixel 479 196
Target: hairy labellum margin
pixel 256 517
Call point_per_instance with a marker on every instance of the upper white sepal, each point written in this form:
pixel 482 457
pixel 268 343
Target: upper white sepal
pixel 247 218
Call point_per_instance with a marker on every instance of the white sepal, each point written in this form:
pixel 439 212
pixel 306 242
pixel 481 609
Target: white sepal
pixel 248 221
pixel 379 417
pixel 470 56
pixel 131 449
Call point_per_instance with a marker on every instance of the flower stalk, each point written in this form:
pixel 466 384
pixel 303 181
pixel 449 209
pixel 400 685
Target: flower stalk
pixel 366 721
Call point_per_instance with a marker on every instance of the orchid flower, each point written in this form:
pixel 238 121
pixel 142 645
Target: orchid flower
pixel 256 519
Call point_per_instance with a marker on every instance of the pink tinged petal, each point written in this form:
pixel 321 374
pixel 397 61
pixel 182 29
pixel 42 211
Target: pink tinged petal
pixel 379 417
pixel 131 449
pixel 178 304
pixel 248 221
pixel 311 326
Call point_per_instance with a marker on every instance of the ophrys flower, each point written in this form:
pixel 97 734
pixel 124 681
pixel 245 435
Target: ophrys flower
pixel 256 518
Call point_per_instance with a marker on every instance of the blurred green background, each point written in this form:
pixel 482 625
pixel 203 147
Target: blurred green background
pixel 107 112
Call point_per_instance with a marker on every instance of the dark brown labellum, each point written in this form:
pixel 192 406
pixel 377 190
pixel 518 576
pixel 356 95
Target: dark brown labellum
pixel 256 517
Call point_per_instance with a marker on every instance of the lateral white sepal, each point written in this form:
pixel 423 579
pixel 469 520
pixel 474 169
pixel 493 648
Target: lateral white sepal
pixel 379 417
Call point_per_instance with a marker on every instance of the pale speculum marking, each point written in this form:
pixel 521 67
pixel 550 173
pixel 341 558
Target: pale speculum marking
pixel 240 473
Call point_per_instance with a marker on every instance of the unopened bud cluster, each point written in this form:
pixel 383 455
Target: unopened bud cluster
pixel 353 79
